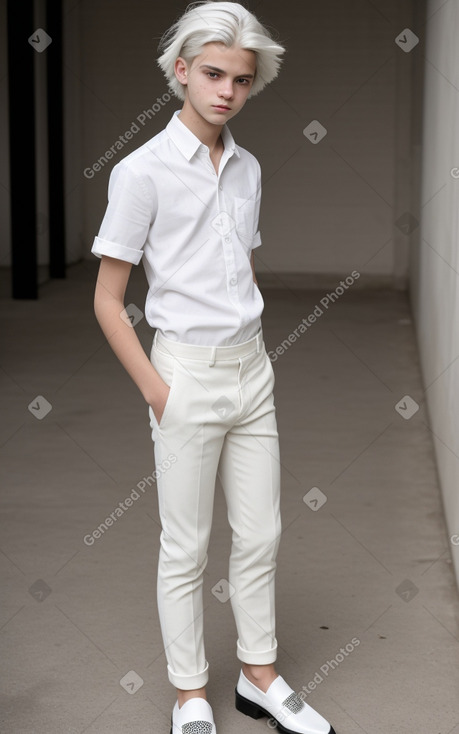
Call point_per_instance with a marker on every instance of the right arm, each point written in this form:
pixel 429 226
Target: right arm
pixel 109 296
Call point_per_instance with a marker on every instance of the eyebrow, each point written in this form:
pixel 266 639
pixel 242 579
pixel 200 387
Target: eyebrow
pixel 222 71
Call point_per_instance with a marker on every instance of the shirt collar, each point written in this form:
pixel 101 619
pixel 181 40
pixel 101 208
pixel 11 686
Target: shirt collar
pixel 188 143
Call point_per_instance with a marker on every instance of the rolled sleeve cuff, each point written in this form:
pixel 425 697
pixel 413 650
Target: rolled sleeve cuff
pixel 112 249
pixel 256 242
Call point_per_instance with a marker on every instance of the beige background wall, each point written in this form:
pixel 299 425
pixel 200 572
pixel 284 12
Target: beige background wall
pixel 435 261
pixel 326 208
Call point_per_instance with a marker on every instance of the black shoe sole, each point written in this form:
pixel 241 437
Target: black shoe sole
pixel 256 712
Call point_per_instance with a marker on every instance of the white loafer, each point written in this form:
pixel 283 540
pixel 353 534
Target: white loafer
pixel 280 702
pixel 194 717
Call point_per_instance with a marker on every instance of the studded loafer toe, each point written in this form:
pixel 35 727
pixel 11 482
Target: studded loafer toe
pixel 194 717
pixel 280 702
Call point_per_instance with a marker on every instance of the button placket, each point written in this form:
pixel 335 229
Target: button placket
pixel 227 225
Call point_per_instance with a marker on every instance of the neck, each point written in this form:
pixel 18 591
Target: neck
pixel 207 133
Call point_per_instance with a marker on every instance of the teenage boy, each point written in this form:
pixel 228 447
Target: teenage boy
pixel 188 202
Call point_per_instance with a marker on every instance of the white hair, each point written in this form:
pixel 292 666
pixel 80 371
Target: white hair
pixel 229 23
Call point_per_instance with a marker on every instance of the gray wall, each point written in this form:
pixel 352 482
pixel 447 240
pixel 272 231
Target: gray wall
pixel 328 208
pixel 435 260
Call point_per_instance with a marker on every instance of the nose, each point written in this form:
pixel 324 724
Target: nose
pixel 226 90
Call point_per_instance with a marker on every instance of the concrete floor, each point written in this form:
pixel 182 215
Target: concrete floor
pixel 369 569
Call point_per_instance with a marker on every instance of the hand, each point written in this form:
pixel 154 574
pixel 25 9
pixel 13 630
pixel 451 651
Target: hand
pixel 158 403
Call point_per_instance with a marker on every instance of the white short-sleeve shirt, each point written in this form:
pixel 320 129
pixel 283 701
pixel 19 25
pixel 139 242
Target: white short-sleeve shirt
pixel 195 230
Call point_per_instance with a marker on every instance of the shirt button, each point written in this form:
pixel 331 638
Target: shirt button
pixel 220 187
pixel 227 239
pixel 233 281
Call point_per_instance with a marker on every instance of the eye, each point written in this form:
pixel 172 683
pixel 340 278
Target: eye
pixel 212 74
pixel 243 81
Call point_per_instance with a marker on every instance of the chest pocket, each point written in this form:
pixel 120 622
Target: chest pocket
pixel 244 218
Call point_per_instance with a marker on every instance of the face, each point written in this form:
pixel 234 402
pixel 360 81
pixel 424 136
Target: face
pixel 218 81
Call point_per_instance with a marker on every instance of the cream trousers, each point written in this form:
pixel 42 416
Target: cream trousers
pixel 219 420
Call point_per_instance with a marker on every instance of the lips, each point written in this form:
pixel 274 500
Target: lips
pixel 221 107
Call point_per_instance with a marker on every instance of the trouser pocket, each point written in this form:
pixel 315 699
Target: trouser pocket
pixel 168 369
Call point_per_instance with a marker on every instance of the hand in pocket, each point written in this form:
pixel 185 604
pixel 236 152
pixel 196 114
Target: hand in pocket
pixel 159 403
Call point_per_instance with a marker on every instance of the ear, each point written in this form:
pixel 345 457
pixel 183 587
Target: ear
pixel 180 70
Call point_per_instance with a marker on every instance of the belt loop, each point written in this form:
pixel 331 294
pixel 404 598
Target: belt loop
pixel 258 341
pixel 155 338
pixel 212 357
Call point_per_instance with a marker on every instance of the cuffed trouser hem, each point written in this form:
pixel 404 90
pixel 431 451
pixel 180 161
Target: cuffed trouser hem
pixel 262 657
pixel 189 682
